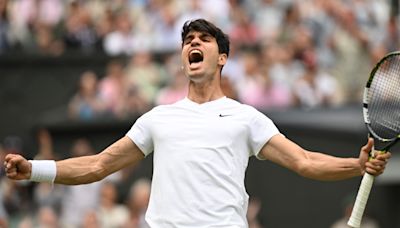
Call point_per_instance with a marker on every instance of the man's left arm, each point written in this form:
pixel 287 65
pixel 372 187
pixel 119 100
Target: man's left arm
pixel 320 166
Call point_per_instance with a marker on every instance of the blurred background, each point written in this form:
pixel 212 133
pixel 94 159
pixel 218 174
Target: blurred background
pixel 75 75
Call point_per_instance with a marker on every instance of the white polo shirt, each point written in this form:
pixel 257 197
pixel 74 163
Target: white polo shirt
pixel 201 152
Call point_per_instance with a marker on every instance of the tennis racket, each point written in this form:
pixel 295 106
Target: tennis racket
pixel 381 111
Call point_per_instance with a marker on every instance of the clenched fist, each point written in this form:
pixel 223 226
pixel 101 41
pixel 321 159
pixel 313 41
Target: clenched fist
pixel 17 167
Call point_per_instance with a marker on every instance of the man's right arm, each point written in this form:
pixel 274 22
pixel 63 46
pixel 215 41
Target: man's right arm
pixel 82 170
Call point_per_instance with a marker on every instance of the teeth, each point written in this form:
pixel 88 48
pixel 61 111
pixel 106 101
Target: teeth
pixel 196 52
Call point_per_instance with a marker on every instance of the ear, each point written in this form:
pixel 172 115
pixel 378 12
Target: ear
pixel 222 58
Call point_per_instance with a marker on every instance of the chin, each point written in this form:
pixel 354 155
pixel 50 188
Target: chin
pixel 196 78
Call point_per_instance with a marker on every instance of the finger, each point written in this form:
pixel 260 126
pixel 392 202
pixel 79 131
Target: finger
pixel 10 163
pixel 375 164
pixel 12 173
pixel 377 168
pixel 14 160
pixel 10 157
pixel 11 160
pixel 370 142
pixel 378 162
pixel 12 170
pixel 373 171
pixel 384 156
pixel 368 147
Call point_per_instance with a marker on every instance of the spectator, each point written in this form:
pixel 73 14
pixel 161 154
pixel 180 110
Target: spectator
pixel 176 88
pixel 244 32
pixel 47 218
pixel 104 25
pixel 174 91
pixel 392 35
pixel 121 41
pixel 315 88
pixel 234 68
pixel 79 31
pixel 110 213
pixel 3 212
pixel 138 202
pixel 253 213
pixel 22 18
pixel 90 220
pixel 45 145
pixel 46 195
pixel 259 89
pixel 350 45
pixel 268 17
pixel 134 103
pixel 276 95
pixel 112 87
pixel 26 221
pixel 4 27
pixel 146 75
pixel 79 200
pixel 291 20
pixel 217 11
pixel 166 32
pixel 249 89
pixel 228 88
pixel 2 156
pixel 320 23
pixel 283 67
pixel 87 103
pixel 45 41
pixel 193 10
pixel 16 195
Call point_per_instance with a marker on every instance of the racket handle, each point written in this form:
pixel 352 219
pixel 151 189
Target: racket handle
pixel 361 200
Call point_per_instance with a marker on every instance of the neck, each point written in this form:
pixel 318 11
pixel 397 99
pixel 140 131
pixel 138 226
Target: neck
pixel 205 91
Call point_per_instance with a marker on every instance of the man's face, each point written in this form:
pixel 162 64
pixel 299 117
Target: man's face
pixel 200 57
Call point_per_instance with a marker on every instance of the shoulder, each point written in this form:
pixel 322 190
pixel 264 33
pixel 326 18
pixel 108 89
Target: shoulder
pixel 164 109
pixel 245 113
pixel 243 108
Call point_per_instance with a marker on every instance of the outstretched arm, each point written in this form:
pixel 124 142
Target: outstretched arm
pixel 321 166
pixel 82 170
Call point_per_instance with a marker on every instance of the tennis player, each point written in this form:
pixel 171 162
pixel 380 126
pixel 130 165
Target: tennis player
pixel 201 147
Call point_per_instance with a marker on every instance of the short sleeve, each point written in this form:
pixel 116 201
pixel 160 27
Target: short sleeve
pixel 140 134
pixel 261 131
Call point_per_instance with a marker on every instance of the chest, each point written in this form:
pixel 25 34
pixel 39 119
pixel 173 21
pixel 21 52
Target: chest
pixel 214 129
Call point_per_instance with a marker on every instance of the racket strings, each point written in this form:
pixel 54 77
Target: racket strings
pixel 384 99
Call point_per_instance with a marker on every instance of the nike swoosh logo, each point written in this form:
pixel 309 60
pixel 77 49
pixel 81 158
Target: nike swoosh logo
pixel 221 115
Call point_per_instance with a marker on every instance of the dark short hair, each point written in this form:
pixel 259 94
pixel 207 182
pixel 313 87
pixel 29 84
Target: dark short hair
pixel 201 25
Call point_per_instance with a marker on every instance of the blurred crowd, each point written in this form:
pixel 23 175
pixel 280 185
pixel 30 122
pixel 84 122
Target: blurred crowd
pixel 286 53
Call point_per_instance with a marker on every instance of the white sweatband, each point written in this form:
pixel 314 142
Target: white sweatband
pixel 43 170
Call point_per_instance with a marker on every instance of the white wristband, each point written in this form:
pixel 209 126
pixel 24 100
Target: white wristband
pixel 43 171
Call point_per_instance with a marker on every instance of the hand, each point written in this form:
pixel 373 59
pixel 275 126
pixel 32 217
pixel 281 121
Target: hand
pixel 17 167
pixel 375 165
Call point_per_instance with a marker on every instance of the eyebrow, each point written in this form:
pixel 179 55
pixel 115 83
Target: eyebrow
pixel 202 35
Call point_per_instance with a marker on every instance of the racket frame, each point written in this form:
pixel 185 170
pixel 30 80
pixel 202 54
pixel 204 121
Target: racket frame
pixel 368 179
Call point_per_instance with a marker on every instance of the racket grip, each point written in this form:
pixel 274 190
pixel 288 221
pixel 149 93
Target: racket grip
pixel 361 201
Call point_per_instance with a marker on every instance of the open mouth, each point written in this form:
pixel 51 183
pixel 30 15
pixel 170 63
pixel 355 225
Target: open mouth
pixel 195 56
